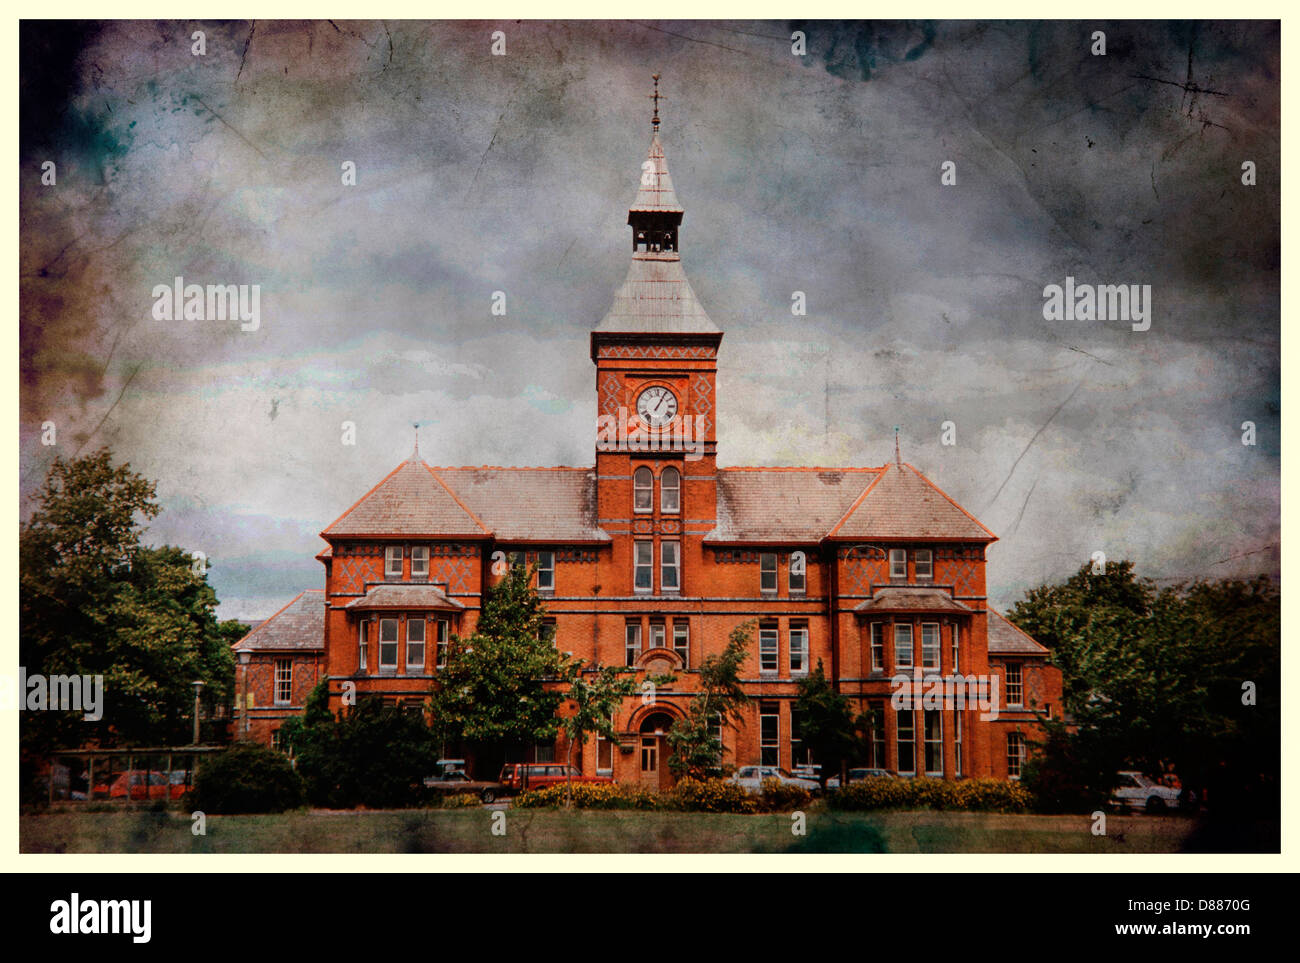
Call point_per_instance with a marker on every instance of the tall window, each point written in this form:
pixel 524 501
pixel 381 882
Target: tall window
pixel 682 641
pixel 877 646
pixel 1015 690
pixel 670 566
pixel 898 564
pixel 799 754
pixel 632 643
pixel 930 645
pixel 670 490
pixel 419 561
pixel 658 635
pixel 1015 754
pixel 388 643
pixel 644 570
pixel 545 571
pixel 923 560
pixel 415 645
pixel 902 645
pixel 906 729
pixel 956 741
pixel 393 561
pixel 798 648
pixel 362 641
pixel 767 572
pixel 604 756
pixel 933 742
pixel 769 729
pixel 956 647
pixel 876 735
pixel 768 644
pixel 798 573
pixel 283 681
pixel 643 490
pixel 444 642
pixel 546 631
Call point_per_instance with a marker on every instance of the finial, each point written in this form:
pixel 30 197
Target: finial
pixel 415 456
pixel 898 459
pixel 656 97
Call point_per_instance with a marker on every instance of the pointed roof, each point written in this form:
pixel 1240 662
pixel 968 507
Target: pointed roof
pixel 410 500
pixel 656 298
pixel 903 503
pixel 656 192
pixel 785 504
pixel 1007 637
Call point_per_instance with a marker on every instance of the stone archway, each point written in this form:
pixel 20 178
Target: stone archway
pixel 652 751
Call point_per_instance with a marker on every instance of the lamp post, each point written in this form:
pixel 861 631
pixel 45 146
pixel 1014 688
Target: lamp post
pixel 198 688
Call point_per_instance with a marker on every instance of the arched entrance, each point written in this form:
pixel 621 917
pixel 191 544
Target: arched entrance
pixel 652 752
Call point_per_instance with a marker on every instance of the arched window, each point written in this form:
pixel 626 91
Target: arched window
pixel 670 490
pixel 643 481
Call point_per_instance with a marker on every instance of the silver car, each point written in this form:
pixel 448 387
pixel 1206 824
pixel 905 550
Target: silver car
pixel 750 778
pixel 1137 791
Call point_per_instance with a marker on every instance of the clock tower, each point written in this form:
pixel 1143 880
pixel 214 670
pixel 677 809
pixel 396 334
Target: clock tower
pixel 656 387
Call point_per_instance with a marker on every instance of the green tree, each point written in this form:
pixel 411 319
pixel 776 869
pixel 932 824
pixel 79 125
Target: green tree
pixel 591 703
pixel 95 601
pixel 826 724
pixel 494 689
pixel 696 749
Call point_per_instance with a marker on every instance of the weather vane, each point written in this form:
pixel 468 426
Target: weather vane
pixel 656 97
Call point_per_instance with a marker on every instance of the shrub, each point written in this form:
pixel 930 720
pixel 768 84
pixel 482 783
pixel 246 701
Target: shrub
pixel 246 778
pixel 590 795
pixel 460 800
pixel 711 796
pixel 974 795
pixel 779 797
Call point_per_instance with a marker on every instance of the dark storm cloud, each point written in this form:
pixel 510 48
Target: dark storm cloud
pixel 817 174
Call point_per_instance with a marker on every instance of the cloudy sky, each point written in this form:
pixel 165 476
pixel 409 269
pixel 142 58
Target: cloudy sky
pixel 818 173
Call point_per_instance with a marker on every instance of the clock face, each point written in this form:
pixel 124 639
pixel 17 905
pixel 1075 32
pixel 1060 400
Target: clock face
pixel 656 406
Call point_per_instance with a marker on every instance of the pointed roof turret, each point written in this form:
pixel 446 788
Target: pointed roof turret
pixel 656 298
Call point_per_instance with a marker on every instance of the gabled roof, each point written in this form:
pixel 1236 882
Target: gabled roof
pixel 656 298
pixel 300 625
pixel 912 600
pixel 411 500
pixel 656 191
pixel 903 503
pixel 784 504
pixel 1005 637
pixel 404 596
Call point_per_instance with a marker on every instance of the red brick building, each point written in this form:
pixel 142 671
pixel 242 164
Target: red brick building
pixel 651 557
pixel 276 665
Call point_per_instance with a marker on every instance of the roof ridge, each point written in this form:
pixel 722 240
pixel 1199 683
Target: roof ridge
pixel 266 621
pixel 858 501
pixel 379 484
pixel 853 468
pixel 456 498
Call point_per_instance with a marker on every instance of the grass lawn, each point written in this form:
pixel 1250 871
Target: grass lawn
pixel 552 831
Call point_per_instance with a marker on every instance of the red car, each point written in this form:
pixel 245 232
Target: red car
pixel 540 774
pixel 161 785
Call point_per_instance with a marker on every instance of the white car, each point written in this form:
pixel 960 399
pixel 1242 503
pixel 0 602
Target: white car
pixel 1137 791
pixel 857 775
pixel 750 778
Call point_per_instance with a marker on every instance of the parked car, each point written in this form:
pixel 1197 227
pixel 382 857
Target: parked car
pixel 542 774
pixel 452 782
pixel 1138 791
pixel 750 778
pixel 158 784
pixel 859 774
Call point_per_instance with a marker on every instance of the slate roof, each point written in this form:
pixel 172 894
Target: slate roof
pixel 785 504
pixel 300 625
pixel 912 600
pixel 410 500
pixel 656 184
pixel 656 298
pixel 404 596
pixel 512 504
pixel 1009 639
pixel 903 503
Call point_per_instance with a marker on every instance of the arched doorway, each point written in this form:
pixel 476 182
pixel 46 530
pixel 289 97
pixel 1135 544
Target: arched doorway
pixel 652 752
